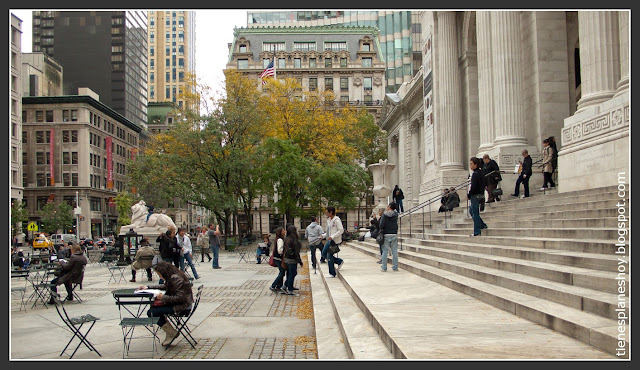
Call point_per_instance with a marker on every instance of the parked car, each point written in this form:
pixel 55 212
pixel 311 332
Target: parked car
pixel 63 239
pixel 42 242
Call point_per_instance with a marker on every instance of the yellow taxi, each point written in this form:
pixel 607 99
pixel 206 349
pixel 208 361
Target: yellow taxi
pixel 42 242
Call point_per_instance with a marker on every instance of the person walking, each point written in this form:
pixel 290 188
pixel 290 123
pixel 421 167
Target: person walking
pixel 554 157
pixel 389 228
pixel 547 164
pixel 72 272
pixel 203 243
pixel 177 297
pixel 398 196
pixel 165 246
pixel 143 259
pixel 278 250
pixel 334 237
pixel 525 174
pixel 214 244
pixel 291 257
pixel 186 252
pixel 476 192
pixel 313 233
pixel 492 177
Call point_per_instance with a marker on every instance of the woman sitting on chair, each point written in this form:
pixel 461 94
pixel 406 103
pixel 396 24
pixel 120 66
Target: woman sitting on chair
pixel 177 299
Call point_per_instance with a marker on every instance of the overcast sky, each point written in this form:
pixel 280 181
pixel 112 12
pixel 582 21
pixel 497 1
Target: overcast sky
pixel 214 30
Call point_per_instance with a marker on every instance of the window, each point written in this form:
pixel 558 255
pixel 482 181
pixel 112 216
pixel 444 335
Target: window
pixel 66 179
pixel 74 136
pixel 366 62
pixel 168 93
pixel 65 136
pixel 74 179
pixel 328 83
pixel 327 62
pixel 344 98
pixel 366 47
pixel 335 46
pixel 304 46
pixel 344 84
pixel 39 116
pixel 152 77
pixel 243 48
pixel 24 116
pixel 296 63
pixel 168 62
pixel 313 83
pixel 312 62
pixel 367 84
pixel 24 137
pixel 368 100
pixel 66 158
pixel 39 137
pixel 151 63
pixel 96 203
pixel 270 46
pixel 74 157
pixel 40 181
pixel 281 62
pixel 180 76
pixel 343 62
pixel 24 158
pixel 74 115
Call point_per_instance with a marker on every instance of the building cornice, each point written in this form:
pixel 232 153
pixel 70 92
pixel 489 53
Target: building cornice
pixel 329 29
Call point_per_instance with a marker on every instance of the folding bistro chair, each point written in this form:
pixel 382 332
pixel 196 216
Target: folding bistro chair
pixel 17 274
pixel 78 284
pixel 117 268
pixel 180 320
pixel 128 325
pixel 75 324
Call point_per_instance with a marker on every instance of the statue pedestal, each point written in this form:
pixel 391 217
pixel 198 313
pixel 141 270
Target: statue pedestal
pixel 146 231
pixel 381 182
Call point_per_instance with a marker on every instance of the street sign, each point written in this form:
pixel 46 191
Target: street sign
pixel 32 226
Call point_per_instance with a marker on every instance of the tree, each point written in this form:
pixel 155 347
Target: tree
pixel 56 216
pixel 19 214
pixel 124 201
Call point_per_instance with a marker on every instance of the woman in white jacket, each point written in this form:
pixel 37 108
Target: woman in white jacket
pixel 185 242
pixel 278 249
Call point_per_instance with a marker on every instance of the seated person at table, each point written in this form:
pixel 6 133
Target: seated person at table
pixel 178 297
pixel 144 257
pixel 263 248
pixel 18 260
pixel 72 272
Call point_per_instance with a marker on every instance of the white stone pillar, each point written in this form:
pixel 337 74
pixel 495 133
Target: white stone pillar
pixel 623 26
pixel 599 58
pixel 450 121
pixel 485 84
pixel 506 47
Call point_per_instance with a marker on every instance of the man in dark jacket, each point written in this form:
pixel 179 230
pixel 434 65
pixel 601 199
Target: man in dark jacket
pixel 476 193
pixel 525 174
pixel 492 176
pixel 398 196
pixel 389 227
pixel 72 272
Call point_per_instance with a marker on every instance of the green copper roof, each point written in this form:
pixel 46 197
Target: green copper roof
pixel 327 29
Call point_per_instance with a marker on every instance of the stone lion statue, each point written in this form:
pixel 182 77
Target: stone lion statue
pixel 139 218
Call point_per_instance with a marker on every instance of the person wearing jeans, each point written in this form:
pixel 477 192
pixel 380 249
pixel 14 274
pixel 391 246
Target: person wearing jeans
pixel 313 233
pixel 334 236
pixel 476 192
pixel 214 244
pixel 278 250
pixel 186 252
pixel 389 228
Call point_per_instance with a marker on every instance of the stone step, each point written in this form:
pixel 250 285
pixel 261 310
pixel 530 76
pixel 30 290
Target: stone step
pixel 555 232
pixel 483 255
pixel 602 249
pixel 584 326
pixel 360 338
pixel 596 302
pixel 500 223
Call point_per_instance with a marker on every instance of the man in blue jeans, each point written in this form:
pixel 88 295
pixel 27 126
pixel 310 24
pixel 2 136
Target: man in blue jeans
pixel 389 228
pixel 214 244
pixel 476 192
pixel 334 237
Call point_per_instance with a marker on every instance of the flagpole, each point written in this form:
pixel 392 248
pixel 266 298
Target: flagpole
pixel 275 70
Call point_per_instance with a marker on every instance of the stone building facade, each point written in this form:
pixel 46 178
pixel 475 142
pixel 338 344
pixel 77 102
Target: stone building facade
pixel 68 142
pixel 16 107
pixel 498 82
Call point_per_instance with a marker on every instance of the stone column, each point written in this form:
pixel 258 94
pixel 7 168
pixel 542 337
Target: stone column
pixel 623 26
pixel 599 59
pixel 450 120
pixel 506 44
pixel 485 84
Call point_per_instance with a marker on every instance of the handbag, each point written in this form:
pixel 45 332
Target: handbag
pixel 157 302
pixel 334 248
pixel 497 192
pixel 272 262
pixel 380 238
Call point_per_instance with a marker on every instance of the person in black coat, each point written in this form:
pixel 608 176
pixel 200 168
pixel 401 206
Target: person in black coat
pixel 165 244
pixel 476 193
pixel 443 201
pixel 525 174
pixel 554 160
pixel 398 196
pixel 492 176
pixel 453 200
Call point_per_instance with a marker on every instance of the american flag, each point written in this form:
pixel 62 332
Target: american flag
pixel 269 71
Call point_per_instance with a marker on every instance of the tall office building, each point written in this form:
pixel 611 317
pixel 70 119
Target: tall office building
pixel 400 35
pixel 105 51
pixel 16 108
pixel 172 54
